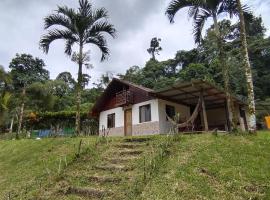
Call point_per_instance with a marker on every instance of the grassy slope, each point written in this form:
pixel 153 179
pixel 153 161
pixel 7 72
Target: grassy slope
pixel 215 167
pixel 79 174
pixel 26 163
pixel 199 166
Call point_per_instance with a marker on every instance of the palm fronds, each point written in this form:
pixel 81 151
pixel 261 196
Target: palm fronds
pixel 84 26
pixel 201 10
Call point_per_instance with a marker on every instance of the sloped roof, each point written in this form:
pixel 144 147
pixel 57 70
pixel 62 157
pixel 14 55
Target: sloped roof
pixel 183 93
pixel 134 85
pixel 109 90
pixel 188 93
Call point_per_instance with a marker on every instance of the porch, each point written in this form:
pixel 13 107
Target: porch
pixel 213 113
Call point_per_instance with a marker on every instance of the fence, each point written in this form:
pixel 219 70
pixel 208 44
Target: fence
pixel 50 133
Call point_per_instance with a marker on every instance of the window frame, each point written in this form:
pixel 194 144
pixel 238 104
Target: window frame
pixel 145 116
pixel 112 115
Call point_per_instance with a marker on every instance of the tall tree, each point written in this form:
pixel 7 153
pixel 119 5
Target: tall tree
pixel 4 94
pixel 81 27
pixel 155 47
pixel 200 11
pixel 248 72
pixel 26 70
pixel 67 78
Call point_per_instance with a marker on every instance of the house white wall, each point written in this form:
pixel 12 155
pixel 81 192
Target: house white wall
pixel 119 117
pixel 154 111
pixel 164 124
pixel 159 123
pixel 138 128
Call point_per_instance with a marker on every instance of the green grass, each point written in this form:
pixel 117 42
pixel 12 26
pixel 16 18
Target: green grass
pixel 186 167
pixel 214 167
pixel 25 164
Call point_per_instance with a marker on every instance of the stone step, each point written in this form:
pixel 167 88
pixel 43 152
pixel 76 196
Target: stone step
pixel 88 192
pixel 113 167
pixel 96 177
pixel 130 152
pixel 104 179
pixel 137 140
pixel 129 145
pixel 121 160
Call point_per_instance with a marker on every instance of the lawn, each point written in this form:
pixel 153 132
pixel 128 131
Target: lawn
pixel 214 167
pixel 25 164
pixel 193 166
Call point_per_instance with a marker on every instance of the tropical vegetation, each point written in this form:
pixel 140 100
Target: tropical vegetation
pixel 82 27
pixel 29 99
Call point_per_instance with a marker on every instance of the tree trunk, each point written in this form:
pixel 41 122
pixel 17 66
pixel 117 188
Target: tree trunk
pixel 2 109
pixel 248 72
pixel 225 73
pixel 79 89
pixel 153 55
pixel 21 113
pixel 11 124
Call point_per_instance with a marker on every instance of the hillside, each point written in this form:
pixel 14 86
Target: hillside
pixel 157 167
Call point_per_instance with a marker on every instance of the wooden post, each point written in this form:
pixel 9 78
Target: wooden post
pixel 204 113
pixel 228 116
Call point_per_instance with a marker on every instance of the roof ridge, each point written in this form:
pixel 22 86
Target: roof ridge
pixel 134 84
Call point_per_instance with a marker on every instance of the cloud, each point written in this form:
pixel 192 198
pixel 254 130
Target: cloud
pixel 136 21
pixel 261 8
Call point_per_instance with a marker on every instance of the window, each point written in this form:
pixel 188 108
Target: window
pixel 145 113
pixel 111 121
pixel 170 111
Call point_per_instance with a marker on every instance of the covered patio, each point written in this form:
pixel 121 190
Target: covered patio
pixel 214 111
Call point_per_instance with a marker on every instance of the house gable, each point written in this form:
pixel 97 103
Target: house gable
pixel 108 99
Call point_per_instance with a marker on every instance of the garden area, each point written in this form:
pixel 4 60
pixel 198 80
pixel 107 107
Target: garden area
pixel 33 103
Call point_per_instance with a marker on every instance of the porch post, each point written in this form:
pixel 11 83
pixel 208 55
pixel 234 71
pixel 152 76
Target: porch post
pixel 228 117
pixel 206 128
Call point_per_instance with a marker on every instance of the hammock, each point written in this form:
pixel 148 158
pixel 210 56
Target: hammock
pixel 191 120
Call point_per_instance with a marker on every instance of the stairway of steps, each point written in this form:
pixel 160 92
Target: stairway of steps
pixel 109 177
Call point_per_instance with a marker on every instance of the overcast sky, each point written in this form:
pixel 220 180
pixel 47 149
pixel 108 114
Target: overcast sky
pixel 136 21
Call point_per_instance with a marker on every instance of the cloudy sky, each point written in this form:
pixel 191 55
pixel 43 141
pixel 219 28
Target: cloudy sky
pixel 137 21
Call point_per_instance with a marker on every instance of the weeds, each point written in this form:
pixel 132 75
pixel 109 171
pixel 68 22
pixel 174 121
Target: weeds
pixel 151 165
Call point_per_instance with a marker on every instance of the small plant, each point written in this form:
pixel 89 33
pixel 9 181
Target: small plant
pixel 240 132
pixel 152 164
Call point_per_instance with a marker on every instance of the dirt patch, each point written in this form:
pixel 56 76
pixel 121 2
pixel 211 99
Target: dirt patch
pixel 136 152
pixel 113 168
pixel 104 179
pixel 88 192
pixel 120 160
pixel 206 172
pixel 252 188
pixel 129 146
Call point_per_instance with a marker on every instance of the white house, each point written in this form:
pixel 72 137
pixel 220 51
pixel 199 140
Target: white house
pixel 127 109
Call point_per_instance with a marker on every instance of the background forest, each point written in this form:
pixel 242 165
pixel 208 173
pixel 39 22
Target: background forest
pixel 49 102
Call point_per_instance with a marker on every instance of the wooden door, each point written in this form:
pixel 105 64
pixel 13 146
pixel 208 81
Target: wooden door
pixel 128 122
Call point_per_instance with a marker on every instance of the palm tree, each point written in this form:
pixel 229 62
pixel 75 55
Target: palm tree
pixel 201 11
pixel 248 72
pixel 81 27
pixel 155 47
